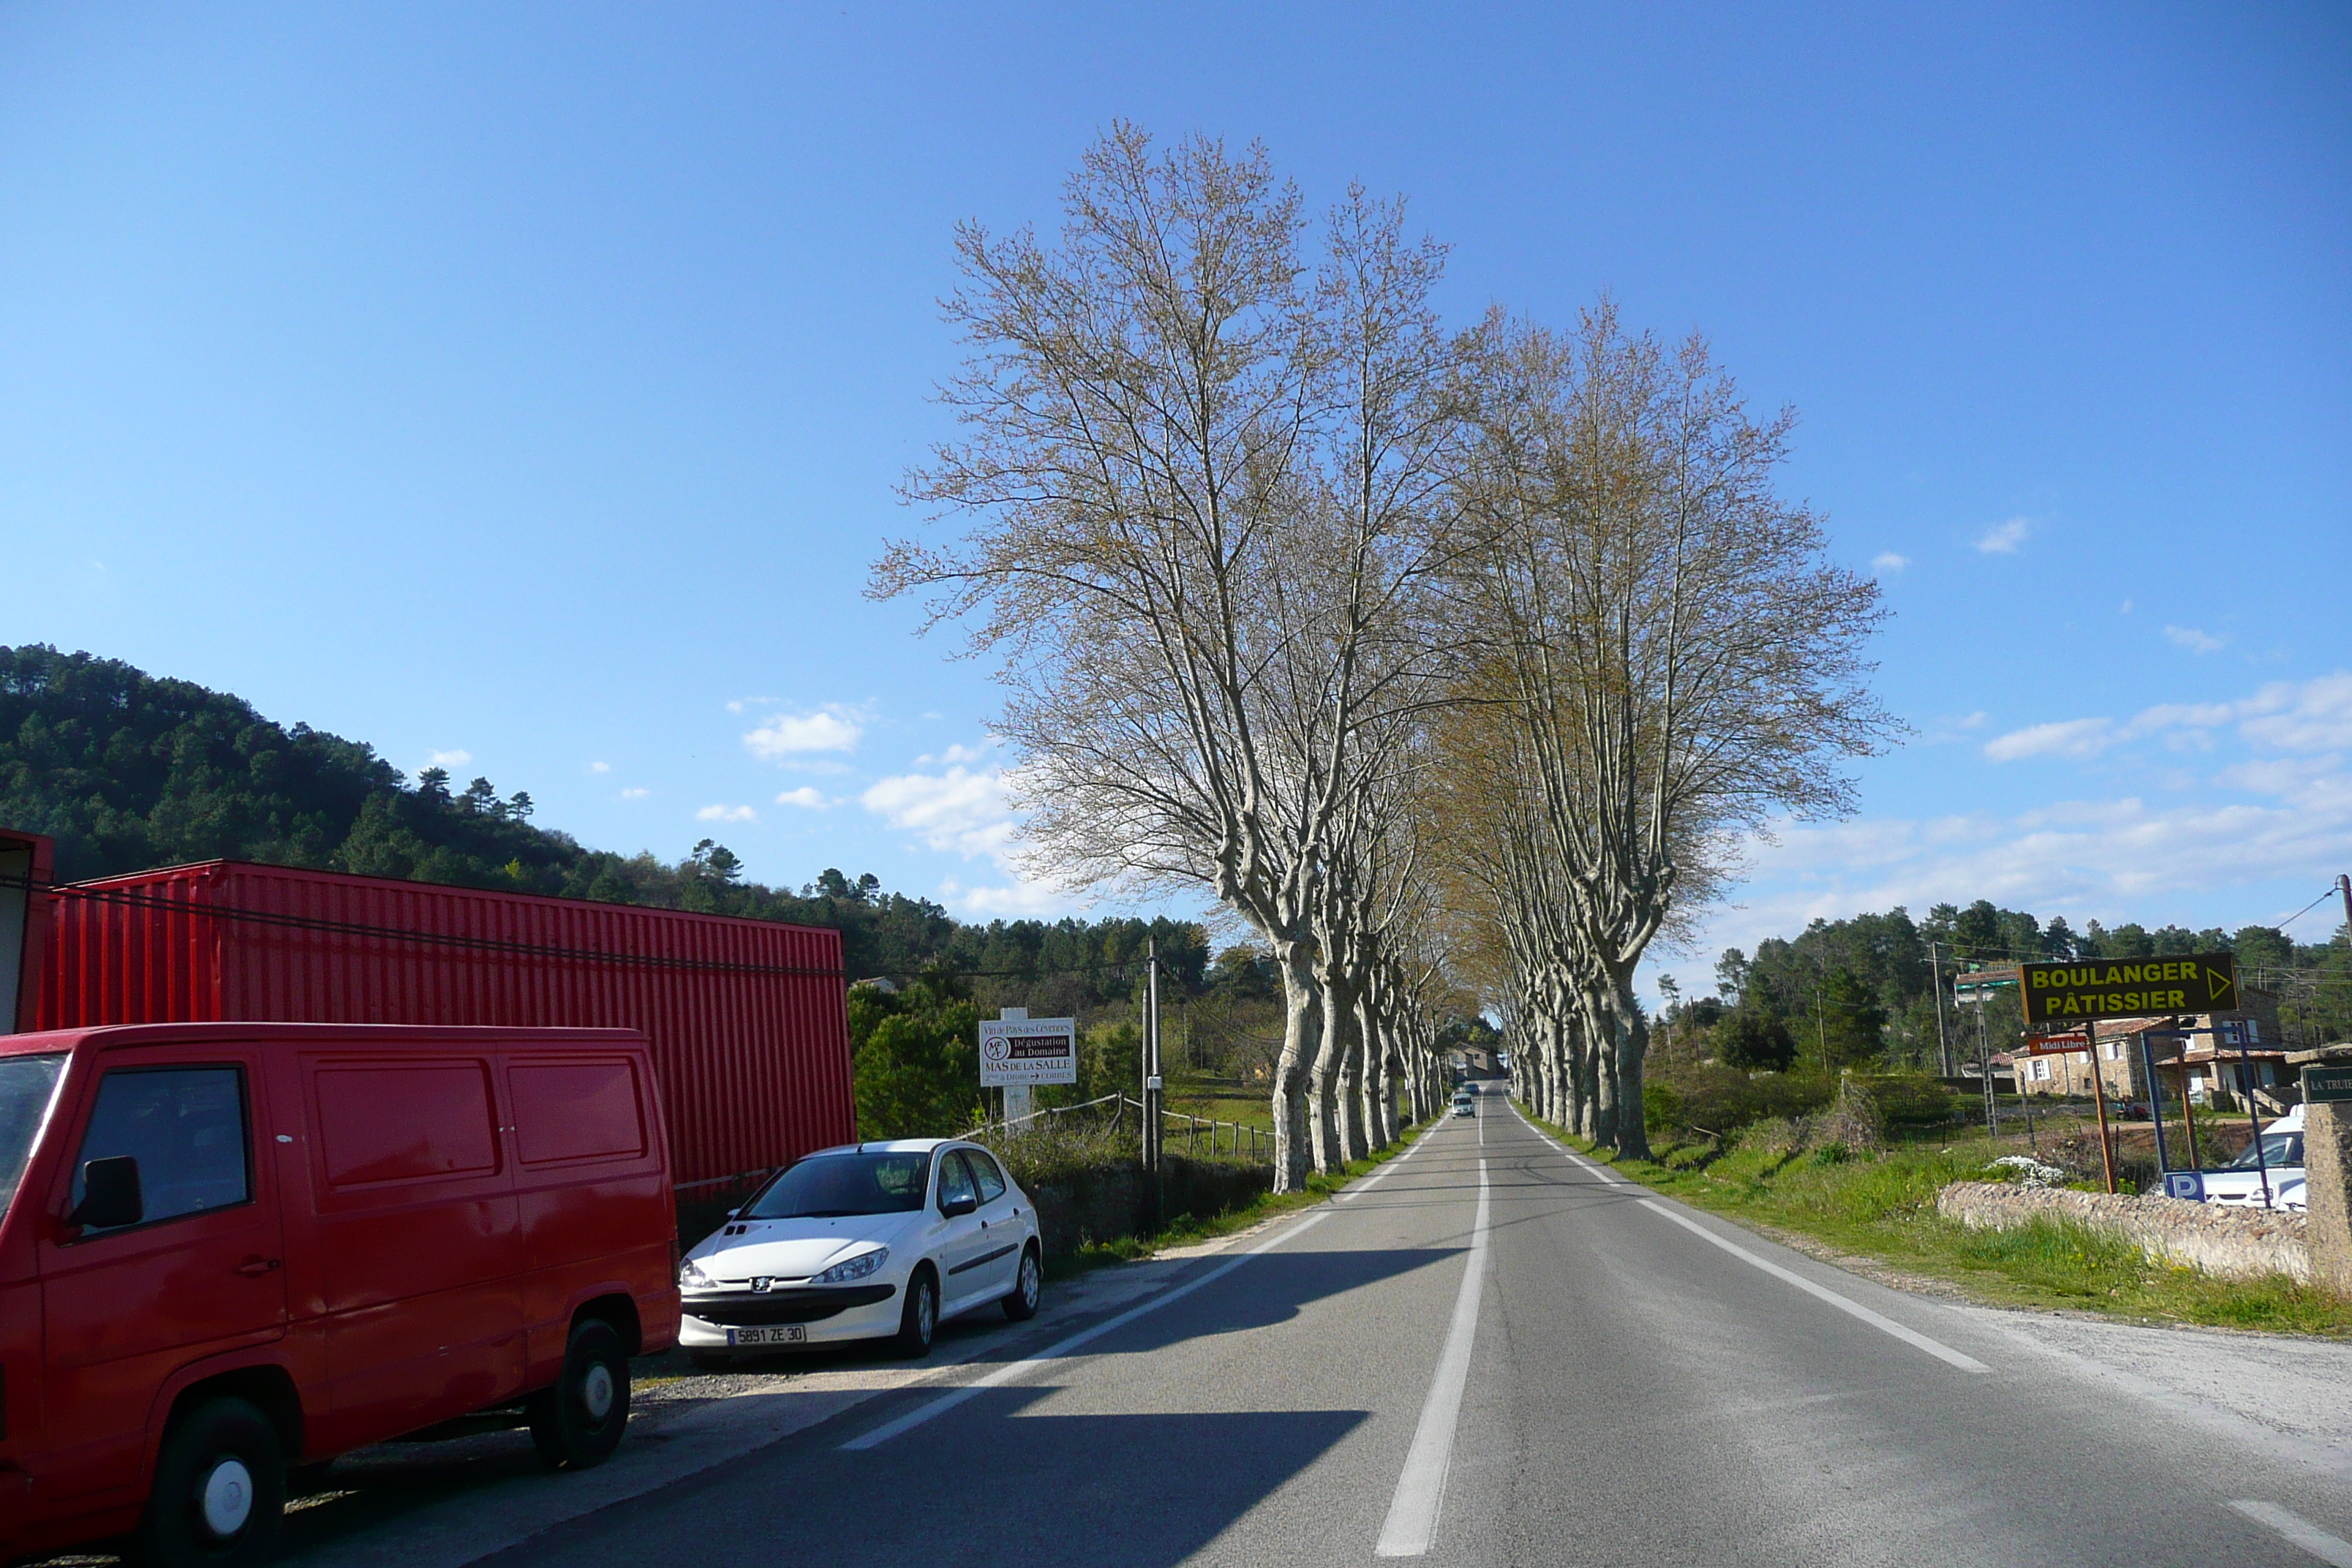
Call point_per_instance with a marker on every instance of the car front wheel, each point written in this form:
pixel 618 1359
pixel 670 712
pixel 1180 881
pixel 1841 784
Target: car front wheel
pixel 220 1489
pixel 920 1319
pixel 1021 1304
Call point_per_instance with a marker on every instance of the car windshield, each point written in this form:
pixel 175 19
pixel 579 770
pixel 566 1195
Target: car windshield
pixel 2278 1149
pixel 27 1084
pixel 827 1186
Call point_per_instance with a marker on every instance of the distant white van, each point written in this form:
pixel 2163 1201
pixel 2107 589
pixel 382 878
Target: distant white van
pixel 2239 1184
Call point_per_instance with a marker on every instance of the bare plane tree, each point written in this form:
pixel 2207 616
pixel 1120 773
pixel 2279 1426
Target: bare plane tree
pixel 1201 477
pixel 1679 658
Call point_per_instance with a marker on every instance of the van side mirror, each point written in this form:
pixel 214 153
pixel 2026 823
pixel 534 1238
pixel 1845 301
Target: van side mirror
pixel 954 1207
pixel 109 1194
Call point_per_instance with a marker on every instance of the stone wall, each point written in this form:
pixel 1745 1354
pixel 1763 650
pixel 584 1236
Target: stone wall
pixel 2230 1243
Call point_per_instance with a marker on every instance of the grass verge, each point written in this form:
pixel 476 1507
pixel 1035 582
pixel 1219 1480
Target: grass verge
pixel 1882 1207
pixel 1188 1229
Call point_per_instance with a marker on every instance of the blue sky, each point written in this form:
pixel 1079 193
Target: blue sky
pixel 529 384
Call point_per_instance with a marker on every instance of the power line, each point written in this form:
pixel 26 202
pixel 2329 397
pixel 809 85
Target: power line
pixel 2325 895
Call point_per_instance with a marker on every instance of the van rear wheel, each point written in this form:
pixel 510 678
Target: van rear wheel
pixel 220 1489
pixel 578 1422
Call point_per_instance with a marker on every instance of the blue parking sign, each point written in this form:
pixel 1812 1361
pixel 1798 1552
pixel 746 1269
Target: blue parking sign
pixel 2188 1184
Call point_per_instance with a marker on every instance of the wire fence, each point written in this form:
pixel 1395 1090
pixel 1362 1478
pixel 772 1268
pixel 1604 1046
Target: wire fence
pixel 1222 1140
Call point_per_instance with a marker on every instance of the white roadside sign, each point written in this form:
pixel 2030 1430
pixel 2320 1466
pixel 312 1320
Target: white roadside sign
pixel 1016 1051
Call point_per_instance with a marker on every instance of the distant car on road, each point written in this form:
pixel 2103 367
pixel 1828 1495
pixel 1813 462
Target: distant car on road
pixel 1465 1102
pixel 2240 1183
pixel 874 1241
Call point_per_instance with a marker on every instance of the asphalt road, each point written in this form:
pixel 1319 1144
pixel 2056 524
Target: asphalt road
pixel 1493 1353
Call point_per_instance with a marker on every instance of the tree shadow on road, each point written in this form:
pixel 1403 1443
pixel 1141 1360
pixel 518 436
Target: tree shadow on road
pixel 984 1484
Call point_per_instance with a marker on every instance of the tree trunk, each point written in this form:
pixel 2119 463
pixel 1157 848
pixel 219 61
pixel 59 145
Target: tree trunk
pixel 1631 1044
pixel 1355 1068
pixel 1373 1050
pixel 1323 1078
pixel 1301 1036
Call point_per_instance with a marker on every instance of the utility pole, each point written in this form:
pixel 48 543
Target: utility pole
pixel 1151 1079
pixel 1943 1046
pixel 2344 886
pixel 1984 1066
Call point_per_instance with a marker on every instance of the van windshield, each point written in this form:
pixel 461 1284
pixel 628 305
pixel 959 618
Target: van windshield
pixel 827 1186
pixel 27 1084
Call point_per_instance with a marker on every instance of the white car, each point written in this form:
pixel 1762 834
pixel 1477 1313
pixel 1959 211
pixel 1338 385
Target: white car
pixel 2239 1184
pixel 1464 1102
pixel 874 1241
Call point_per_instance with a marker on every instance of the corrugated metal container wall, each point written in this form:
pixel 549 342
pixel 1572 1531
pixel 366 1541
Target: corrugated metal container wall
pixel 747 1018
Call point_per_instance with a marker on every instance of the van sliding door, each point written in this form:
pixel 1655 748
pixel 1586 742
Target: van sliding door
pixel 419 1245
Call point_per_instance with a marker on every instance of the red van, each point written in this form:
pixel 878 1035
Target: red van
pixel 229 1250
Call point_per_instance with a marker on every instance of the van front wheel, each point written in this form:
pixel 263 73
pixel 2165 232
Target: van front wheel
pixel 578 1423
pixel 220 1489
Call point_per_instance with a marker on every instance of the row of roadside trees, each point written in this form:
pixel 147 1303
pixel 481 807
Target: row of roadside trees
pixel 1450 663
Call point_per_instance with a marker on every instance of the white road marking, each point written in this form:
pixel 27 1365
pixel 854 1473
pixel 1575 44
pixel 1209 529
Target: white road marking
pixel 1579 1160
pixel 1879 1321
pixel 1412 1511
pixel 2299 1530
pixel 1011 1370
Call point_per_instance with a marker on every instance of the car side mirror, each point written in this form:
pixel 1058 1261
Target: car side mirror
pixel 109 1194
pixel 952 1208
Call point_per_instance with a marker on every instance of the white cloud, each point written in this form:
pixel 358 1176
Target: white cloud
pixel 2125 608
pixel 2002 539
pixel 635 793
pixel 1019 899
pixel 2067 738
pixel 2314 717
pixel 832 728
pixel 1888 561
pixel 449 759
pixel 2307 717
pixel 2195 842
pixel 956 753
pixel 727 813
pixel 959 810
pixel 808 796
pixel 2194 640
pixel 600 767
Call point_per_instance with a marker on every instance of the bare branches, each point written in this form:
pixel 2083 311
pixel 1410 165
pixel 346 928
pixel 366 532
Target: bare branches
pixel 1428 655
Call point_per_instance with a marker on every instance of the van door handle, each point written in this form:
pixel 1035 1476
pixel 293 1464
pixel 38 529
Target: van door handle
pixel 254 1268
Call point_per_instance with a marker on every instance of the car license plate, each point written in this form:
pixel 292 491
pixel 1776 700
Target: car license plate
pixel 783 1334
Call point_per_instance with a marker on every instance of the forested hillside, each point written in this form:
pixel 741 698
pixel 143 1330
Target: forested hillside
pixel 128 771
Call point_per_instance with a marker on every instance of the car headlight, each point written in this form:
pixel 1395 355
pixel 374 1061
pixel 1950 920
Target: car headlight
pixel 691 1277
pixel 857 1267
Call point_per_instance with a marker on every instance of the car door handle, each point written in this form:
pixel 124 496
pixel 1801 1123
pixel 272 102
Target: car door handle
pixel 254 1268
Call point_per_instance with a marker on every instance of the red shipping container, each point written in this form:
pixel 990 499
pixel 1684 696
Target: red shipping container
pixel 747 1018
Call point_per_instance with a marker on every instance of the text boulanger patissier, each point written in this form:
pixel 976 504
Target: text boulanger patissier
pixel 2107 989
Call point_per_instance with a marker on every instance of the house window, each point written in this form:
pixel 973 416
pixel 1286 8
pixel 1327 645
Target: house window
pixel 2111 1050
pixel 2041 1069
